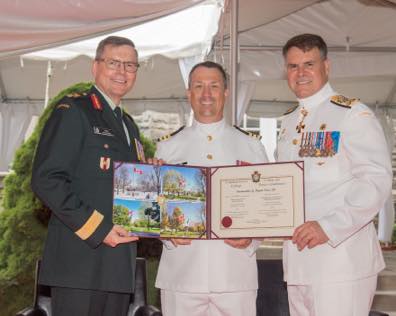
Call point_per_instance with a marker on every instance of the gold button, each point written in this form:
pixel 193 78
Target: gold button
pixel 106 146
pixel 295 141
pixel 209 156
pixel 210 137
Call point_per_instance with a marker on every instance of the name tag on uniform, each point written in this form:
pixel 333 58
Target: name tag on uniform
pixel 103 131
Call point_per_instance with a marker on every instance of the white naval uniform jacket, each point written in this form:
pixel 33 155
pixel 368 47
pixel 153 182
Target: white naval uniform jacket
pixel 343 192
pixel 209 266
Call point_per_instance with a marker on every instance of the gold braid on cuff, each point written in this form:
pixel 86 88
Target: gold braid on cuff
pixel 90 225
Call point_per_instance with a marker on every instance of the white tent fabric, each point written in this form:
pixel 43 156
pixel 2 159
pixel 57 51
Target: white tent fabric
pixel 245 92
pixel 14 121
pixel 182 34
pixel 34 24
pixel 361 36
pixel 168 38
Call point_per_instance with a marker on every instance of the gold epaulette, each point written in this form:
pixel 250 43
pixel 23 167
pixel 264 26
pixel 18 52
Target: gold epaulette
pixel 63 106
pixel 292 109
pixel 165 137
pixel 76 95
pixel 251 134
pixel 345 102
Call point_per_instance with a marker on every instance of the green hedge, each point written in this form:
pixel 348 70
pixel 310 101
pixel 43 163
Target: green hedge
pixel 394 235
pixel 24 220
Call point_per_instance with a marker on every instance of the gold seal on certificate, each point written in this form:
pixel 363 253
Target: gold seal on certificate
pixel 174 201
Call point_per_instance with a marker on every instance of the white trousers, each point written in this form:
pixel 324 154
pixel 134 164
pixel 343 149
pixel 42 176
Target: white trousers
pixel 208 304
pixel 352 298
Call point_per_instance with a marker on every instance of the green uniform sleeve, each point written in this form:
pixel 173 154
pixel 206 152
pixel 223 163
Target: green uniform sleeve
pixel 56 160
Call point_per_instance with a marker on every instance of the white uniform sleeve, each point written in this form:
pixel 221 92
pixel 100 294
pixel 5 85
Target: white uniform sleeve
pixel 366 149
pixel 159 153
pixel 260 152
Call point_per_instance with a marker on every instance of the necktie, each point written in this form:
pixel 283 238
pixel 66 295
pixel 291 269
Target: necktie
pixel 118 115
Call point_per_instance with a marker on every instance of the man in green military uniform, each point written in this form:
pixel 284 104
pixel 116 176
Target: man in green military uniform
pixel 88 261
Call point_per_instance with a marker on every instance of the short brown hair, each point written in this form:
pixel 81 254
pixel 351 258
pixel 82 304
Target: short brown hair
pixel 209 64
pixel 113 41
pixel 306 42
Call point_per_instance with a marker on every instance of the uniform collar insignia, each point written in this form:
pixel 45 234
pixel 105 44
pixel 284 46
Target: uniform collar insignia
pixel 96 102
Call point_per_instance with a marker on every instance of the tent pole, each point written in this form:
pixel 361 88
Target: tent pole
pixel 3 94
pixel 234 60
pixel 47 83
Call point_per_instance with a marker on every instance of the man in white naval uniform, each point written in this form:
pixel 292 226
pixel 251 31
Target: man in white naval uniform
pixel 332 262
pixel 209 277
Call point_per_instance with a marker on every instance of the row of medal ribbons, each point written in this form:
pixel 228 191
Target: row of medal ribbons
pixel 319 144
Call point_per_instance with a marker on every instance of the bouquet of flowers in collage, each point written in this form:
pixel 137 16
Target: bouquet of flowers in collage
pixel 167 201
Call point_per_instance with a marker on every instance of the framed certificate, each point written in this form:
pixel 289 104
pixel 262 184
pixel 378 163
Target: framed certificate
pixel 174 201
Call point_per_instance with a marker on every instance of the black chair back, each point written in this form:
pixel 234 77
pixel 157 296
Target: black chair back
pixel 137 307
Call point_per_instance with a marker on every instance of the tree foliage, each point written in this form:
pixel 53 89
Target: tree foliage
pixel 173 182
pixel 121 215
pixel 23 222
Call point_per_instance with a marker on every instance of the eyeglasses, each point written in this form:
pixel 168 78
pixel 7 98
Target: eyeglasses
pixel 115 64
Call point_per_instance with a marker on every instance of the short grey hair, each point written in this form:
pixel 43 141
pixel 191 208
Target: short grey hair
pixel 113 41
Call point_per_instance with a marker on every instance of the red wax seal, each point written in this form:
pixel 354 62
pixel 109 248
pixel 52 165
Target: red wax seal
pixel 226 221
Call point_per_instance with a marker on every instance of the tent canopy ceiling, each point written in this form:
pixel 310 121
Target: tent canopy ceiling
pixel 34 24
pixel 194 38
pixel 360 33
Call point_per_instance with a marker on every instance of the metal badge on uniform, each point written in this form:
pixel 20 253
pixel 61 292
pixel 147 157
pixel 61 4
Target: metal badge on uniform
pixel 104 163
pixel 319 144
pixel 103 131
pixel 139 150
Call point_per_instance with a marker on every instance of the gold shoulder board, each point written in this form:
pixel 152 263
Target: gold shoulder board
pixel 345 102
pixel 165 137
pixel 251 134
pixel 292 109
pixel 74 95
pixel 63 106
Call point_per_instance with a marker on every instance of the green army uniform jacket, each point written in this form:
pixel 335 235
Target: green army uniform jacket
pixel 73 176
